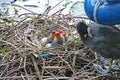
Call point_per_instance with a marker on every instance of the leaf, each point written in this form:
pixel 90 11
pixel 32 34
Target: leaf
pixel 7 20
pixel 77 9
pixel 16 11
pixel 2 24
pixel 67 3
pixel 3 50
pixel 5 5
pixel 1 37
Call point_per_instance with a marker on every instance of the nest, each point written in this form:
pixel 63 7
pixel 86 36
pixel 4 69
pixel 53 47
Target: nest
pixel 21 48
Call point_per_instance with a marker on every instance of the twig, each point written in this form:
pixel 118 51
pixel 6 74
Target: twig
pixel 66 63
pixel 52 74
pixel 57 4
pixel 8 43
pixel 52 67
pixel 36 68
pixel 16 77
pixel 3 72
pixel 25 8
pixel 25 68
pixel 57 78
pixel 16 60
pixel 85 67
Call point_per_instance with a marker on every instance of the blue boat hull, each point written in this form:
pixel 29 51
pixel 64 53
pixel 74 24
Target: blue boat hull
pixel 107 14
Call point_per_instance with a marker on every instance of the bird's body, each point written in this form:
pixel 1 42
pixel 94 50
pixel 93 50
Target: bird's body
pixel 51 36
pixel 63 35
pixel 58 40
pixel 48 39
pixel 105 40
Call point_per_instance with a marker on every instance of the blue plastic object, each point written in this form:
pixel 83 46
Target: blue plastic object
pixel 44 55
pixel 106 13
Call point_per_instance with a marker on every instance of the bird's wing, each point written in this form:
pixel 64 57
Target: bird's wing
pixel 109 32
pixel 109 51
pixel 93 29
pixel 105 48
pixel 105 40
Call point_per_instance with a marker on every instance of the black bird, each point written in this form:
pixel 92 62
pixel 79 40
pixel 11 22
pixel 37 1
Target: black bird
pixel 102 39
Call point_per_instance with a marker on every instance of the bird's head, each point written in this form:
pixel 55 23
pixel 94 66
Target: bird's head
pixel 53 33
pixel 65 35
pixel 62 31
pixel 57 35
pixel 82 29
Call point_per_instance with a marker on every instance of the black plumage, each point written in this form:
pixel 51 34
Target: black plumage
pixel 104 40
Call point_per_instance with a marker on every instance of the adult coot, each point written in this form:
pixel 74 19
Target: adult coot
pixel 104 40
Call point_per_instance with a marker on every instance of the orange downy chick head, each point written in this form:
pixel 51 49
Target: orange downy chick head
pixel 65 35
pixel 53 33
pixel 61 31
pixel 57 34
